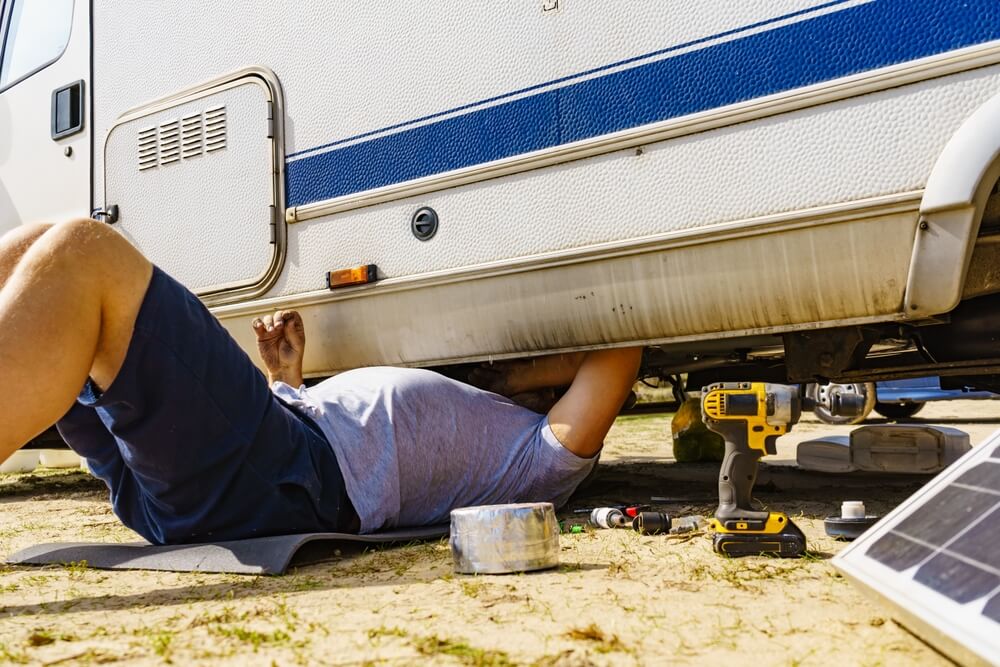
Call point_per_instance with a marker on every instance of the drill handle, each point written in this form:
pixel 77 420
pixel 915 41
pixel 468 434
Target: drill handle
pixel 737 476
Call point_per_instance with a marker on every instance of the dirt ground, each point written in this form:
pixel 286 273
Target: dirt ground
pixel 618 598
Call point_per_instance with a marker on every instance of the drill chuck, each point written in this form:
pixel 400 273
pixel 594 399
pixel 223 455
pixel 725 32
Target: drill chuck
pixel 842 404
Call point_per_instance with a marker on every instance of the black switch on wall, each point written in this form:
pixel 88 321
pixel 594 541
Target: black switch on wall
pixel 67 110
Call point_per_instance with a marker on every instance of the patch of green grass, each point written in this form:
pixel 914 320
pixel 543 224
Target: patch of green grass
pixel 466 654
pixel 44 637
pixel 227 615
pixel 635 419
pixel 8 654
pixel 76 569
pixel 472 587
pixel 37 580
pixel 619 569
pixel 364 563
pixel 382 631
pixel 726 631
pixel 305 583
pixel 602 643
pixel 254 637
pixel 752 575
pixel 161 644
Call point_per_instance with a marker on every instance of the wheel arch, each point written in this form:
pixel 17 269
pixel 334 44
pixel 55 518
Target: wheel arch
pixel 951 211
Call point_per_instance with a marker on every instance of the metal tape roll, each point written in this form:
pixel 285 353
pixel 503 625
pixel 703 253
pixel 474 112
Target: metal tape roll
pixel 497 539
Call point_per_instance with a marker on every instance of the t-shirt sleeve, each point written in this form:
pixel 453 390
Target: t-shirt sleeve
pixel 558 471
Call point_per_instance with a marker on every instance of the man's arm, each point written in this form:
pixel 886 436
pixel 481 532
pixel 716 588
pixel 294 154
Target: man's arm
pixel 281 341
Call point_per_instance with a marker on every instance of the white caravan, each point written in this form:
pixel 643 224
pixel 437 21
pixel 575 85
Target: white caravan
pixel 753 188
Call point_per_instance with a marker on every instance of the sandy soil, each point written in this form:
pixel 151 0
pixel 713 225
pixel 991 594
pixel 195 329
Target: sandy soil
pixel 617 599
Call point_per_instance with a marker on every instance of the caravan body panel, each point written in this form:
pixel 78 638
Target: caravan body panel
pixel 615 147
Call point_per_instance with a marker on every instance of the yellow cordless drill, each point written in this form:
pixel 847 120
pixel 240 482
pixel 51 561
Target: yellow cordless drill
pixel 751 416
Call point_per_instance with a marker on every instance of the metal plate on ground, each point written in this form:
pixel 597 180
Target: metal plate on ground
pixel 936 560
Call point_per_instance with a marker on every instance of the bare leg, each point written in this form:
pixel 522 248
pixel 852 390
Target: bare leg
pixel 582 417
pixel 14 244
pixel 67 311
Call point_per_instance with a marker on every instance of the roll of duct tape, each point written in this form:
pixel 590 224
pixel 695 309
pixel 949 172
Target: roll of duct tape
pixel 497 539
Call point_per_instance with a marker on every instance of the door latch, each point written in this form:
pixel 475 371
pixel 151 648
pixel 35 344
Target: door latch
pixel 67 110
pixel 108 215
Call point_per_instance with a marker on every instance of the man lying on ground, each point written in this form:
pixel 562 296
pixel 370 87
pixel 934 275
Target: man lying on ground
pixel 194 446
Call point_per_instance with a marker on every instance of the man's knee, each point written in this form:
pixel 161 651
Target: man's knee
pixel 103 265
pixel 81 233
pixel 92 246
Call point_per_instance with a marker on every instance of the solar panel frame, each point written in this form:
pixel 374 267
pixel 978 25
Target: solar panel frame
pixel 962 631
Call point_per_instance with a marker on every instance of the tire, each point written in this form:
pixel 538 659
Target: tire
pixel 898 410
pixel 817 392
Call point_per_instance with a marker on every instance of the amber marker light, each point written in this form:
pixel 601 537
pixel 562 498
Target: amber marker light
pixel 358 275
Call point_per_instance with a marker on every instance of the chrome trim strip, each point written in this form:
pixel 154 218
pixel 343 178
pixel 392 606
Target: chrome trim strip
pixel 801 98
pixel 781 222
pixel 268 80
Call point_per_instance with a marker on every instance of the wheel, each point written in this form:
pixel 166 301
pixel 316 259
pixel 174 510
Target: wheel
pixel 824 393
pixel 898 410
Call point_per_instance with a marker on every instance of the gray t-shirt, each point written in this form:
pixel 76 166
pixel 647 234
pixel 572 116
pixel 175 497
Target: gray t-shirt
pixel 413 445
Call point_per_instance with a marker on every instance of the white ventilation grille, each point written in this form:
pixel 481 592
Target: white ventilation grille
pixel 215 128
pixel 148 148
pixel 193 135
pixel 170 142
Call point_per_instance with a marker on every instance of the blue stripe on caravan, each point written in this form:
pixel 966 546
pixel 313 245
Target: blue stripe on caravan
pixel 578 75
pixel 827 47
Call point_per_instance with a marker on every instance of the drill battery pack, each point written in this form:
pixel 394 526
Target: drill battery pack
pixel 778 537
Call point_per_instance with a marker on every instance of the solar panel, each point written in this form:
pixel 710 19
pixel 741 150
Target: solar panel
pixel 936 558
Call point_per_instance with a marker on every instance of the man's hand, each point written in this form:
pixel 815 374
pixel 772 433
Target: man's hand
pixel 281 341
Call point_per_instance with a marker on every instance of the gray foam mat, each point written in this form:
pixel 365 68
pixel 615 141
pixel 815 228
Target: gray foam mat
pixel 259 555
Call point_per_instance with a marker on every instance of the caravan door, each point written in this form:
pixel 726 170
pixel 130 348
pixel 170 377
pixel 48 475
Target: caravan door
pixel 44 111
pixel 194 181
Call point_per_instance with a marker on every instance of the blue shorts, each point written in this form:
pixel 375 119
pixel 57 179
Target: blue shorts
pixel 192 443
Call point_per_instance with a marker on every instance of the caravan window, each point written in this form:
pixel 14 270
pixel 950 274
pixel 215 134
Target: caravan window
pixel 35 34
